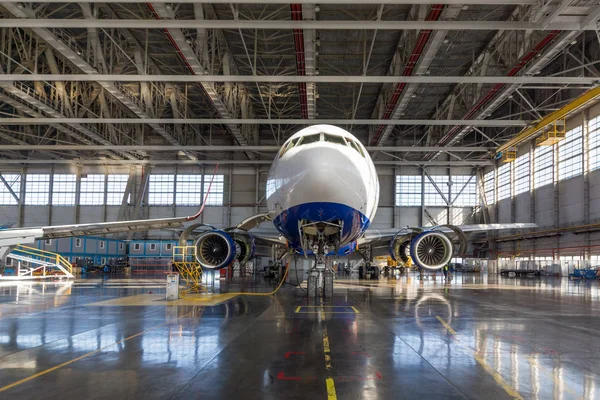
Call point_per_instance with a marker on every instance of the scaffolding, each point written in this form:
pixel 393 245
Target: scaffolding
pixel 190 270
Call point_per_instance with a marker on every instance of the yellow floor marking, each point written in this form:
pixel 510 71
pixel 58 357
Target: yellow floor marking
pixel 321 310
pixel 557 384
pixel 496 375
pixel 331 395
pixel 159 300
pixel 498 378
pixel 91 353
pixel 330 389
pixel 446 325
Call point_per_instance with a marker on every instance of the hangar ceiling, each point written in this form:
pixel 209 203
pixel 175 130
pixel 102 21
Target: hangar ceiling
pixel 417 82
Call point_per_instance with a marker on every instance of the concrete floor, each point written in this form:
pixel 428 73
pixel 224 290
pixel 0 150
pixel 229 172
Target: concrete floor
pixel 474 338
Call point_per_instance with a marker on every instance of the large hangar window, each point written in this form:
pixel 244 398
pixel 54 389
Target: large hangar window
pixel 543 166
pixel 504 185
pixel 432 196
pixel 489 183
pixel 522 174
pixel 161 189
pixel 464 190
pixel 215 197
pixel 188 191
pixel 12 181
pixel 115 187
pixel 92 190
pixel 37 189
pixel 408 190
pixel 594 143
pixel 570 154
pixel 63 189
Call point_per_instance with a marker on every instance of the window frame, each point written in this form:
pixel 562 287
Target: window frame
pixel 114 182
pixel 504 182
pixel 522 183
pixel 14 181
pixel 37 196
pixel 89 190
pixel 570 154
pixel 406 189
pixel 161 190
pixel 543 175
pixel 466 191
pixel 217 190
pixel 64 189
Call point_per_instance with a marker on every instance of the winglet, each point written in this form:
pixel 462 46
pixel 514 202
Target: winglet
pixel 195 216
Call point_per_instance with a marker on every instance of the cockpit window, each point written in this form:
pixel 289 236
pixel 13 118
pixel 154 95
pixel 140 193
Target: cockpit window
pixel 310 139
pixel 356 147
pixel 335 139
pixel 288 146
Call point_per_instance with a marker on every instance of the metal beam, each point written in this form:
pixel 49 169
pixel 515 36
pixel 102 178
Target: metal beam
pixel 288 24
pixel 76 56
pixel 576 105
pixel 519 80
pixel 233 162
pixel 312 2
pixel 66 147
pixel 252 121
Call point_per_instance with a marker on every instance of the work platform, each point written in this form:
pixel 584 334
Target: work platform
pixel 387 339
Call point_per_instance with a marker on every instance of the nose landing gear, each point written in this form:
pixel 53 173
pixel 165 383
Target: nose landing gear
pixel 320 276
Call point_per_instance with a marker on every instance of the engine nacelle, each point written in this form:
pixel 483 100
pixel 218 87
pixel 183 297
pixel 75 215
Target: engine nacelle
pixel 245 247
pixel 399 247
pixel 431 250
pixel 215 249
pixel 218 249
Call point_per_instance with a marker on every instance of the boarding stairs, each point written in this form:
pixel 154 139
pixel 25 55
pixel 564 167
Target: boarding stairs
pixel 35 263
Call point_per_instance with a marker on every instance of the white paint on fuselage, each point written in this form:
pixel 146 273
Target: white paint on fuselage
pixel 323 172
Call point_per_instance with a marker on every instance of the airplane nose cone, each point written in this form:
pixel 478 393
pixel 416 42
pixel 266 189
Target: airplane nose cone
pixel 323 175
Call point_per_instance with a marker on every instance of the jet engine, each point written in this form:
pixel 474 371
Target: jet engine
pixel 217 249
pixel 431 250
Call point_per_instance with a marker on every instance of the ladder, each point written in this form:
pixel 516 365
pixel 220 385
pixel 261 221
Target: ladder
pixel 35 263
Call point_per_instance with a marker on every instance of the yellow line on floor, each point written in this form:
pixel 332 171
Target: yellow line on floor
pixel 495 374
pixel 330 389
pixel 331 395
pixel 91 353
pixel 298 309
pixel 446 325
pixel 355 310
pixel 512 392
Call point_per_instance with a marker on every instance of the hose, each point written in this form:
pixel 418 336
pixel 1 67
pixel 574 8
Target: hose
pixel 287 269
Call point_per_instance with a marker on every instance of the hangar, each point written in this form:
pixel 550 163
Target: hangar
pixel 331 199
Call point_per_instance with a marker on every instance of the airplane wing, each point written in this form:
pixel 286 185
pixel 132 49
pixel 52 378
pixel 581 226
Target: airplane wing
pixel 375 235
pixel 428 247
pixel 14 236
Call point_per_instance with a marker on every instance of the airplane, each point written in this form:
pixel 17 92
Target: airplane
pixel 322 194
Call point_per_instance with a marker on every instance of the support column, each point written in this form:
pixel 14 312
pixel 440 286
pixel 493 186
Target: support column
pixel 586 183
pixel 532 190
pixel 21 206
pixel 77 210
pixel 50 191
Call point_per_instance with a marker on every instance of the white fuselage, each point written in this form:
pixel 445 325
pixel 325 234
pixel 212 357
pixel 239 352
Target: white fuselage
pixel 320 178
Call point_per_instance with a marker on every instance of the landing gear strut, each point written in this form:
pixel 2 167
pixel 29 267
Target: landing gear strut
pixel 320 276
